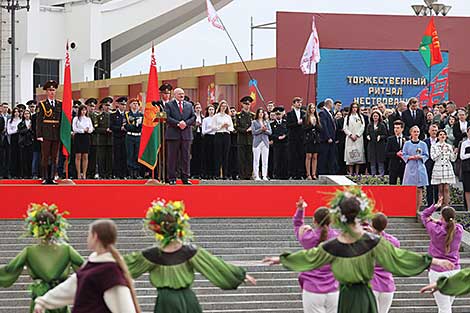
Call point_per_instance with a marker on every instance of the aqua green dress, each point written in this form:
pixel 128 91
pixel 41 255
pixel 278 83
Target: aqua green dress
pixel 353 267
pixel 48 265
pixel 455 285
pixel 173 275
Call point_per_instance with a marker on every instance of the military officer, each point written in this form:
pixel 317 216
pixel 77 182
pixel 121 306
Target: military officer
pixel 279 138
pixel 104 139
pixel 245 138
pixel 133 125
pixel 91 104
pixel 165 95
pixel 48 131
pixel 119 138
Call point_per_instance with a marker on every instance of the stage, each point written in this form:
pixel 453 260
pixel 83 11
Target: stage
pixel 131 198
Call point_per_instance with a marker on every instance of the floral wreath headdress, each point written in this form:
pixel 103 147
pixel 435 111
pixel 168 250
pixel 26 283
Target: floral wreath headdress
pixel 44 222
pixel 365 213
pixel 168 221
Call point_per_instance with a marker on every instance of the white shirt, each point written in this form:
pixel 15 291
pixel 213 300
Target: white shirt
pixel 118 299
pixel 219 119
pixel 432 140
pixel 463 126
pixel 207 128
pixel 12 126
pixel 297 113
pixel 79 125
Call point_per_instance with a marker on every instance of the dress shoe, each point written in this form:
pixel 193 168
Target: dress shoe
pixel 45 182
pixel 172 182
pixel 187 182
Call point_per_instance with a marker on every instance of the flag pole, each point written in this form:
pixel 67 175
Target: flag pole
pixel 243 61
pixel 308 80
pixel 67 167
pixel 429 85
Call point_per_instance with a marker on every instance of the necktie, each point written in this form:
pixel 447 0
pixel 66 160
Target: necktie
pixel 181 107
pixel 414 114
pixel 52 103
pixel 399 141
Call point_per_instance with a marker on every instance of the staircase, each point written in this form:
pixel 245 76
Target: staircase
pixel 240 241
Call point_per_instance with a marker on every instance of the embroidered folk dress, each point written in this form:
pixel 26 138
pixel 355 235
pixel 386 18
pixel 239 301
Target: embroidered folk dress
pixel 415 170
pixel 48 265
pixel 353 266
pixel 173 274
pixel 443 172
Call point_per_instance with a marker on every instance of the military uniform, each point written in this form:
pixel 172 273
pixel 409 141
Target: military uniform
pixel 133 125
pixel 233 154
pixel 279 128
pixel 104 144
pixel 116 121
pixel 245 143
pixel 93 146
pixel 48 128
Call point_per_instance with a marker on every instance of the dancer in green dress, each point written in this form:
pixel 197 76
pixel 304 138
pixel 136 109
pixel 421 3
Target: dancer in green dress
pixel 354 253
pixel 456 285
pixel 171 266
pixel 49 262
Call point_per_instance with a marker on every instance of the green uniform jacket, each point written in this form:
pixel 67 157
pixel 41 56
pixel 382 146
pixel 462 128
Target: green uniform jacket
pixel 103 138
pixel 48 120
pixel 242 123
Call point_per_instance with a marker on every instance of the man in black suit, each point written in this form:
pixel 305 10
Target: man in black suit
pixel 414 116
pixel 460 127
pixel 327 151
pixel 397 115
pixel 393 148
pixel 340 141
pixel 432 191
pixel 296 157
pixel 179 135
pixel 116 124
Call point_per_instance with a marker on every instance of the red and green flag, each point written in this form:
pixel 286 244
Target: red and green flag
pixel 150 138
pixel 430 47
pixel 66 118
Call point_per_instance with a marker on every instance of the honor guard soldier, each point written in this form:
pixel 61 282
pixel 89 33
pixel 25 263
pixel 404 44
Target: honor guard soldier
pixel 116 124
pixel 48 131
pixel 165 95
pixel 279 139
pixel 245 138
pixel 104 139
pixel 133 125
pixel 91 104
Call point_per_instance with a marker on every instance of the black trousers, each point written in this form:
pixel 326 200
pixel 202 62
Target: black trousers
pixel 327 159
pixel 245 161
pixel 4 155
pixel 233 160
pixel 222 151
pixel 432 194
pixel 197 150
pixel 181 148
pixel 14 156
pixel 209 156
pixel 296 159
pixel 395 173
pixel 50 153
pixel 280 155
pixel 26 161
pixel 91 171
pixel 105 161
pixel 119 157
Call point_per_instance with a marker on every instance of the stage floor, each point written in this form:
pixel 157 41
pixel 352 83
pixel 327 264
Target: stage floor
pixel 131 198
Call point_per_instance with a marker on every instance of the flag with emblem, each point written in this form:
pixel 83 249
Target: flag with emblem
pixel 311 56
pixel 252 86
pixel 212 16
pixel 150 138
pixel 66 118
pixel 430 47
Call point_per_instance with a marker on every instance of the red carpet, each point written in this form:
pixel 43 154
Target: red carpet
pixel 121 199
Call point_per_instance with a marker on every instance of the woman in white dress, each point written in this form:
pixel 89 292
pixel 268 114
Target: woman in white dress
pixel 354 126
pixel 443 155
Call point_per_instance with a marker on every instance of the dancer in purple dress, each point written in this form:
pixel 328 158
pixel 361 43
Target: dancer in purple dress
pixel 320 288
pixel 445 237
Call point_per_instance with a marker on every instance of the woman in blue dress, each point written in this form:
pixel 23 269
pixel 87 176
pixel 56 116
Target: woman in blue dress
pixel 415 153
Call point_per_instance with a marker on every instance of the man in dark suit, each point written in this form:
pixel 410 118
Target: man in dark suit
pixel 414 116
pixel 432 191
pixel 393 148
pixel 3 152
pixel 295 133
pixel 280 148
pixel 179 135
pixel 340 141
pixel 460 124
pixel 48 131
pixel 327 151
pixel 116 124
pixel 397 115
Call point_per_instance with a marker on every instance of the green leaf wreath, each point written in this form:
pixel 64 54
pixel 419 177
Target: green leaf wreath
pixel 44 222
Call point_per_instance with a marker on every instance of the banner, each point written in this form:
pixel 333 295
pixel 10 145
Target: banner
pixel 66 118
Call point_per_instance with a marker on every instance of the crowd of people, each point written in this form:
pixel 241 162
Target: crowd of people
pixel 218 142
pixel 347 265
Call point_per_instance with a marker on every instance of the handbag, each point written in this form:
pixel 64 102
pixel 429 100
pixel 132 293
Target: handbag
pixel 355 155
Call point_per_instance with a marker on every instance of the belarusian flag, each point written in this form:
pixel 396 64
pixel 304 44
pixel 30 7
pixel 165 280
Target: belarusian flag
pixel 430 47
pixel 150 138
pixel 66 118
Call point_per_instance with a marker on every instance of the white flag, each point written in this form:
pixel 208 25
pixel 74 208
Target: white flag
pixel 212 16
pixel 311 55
